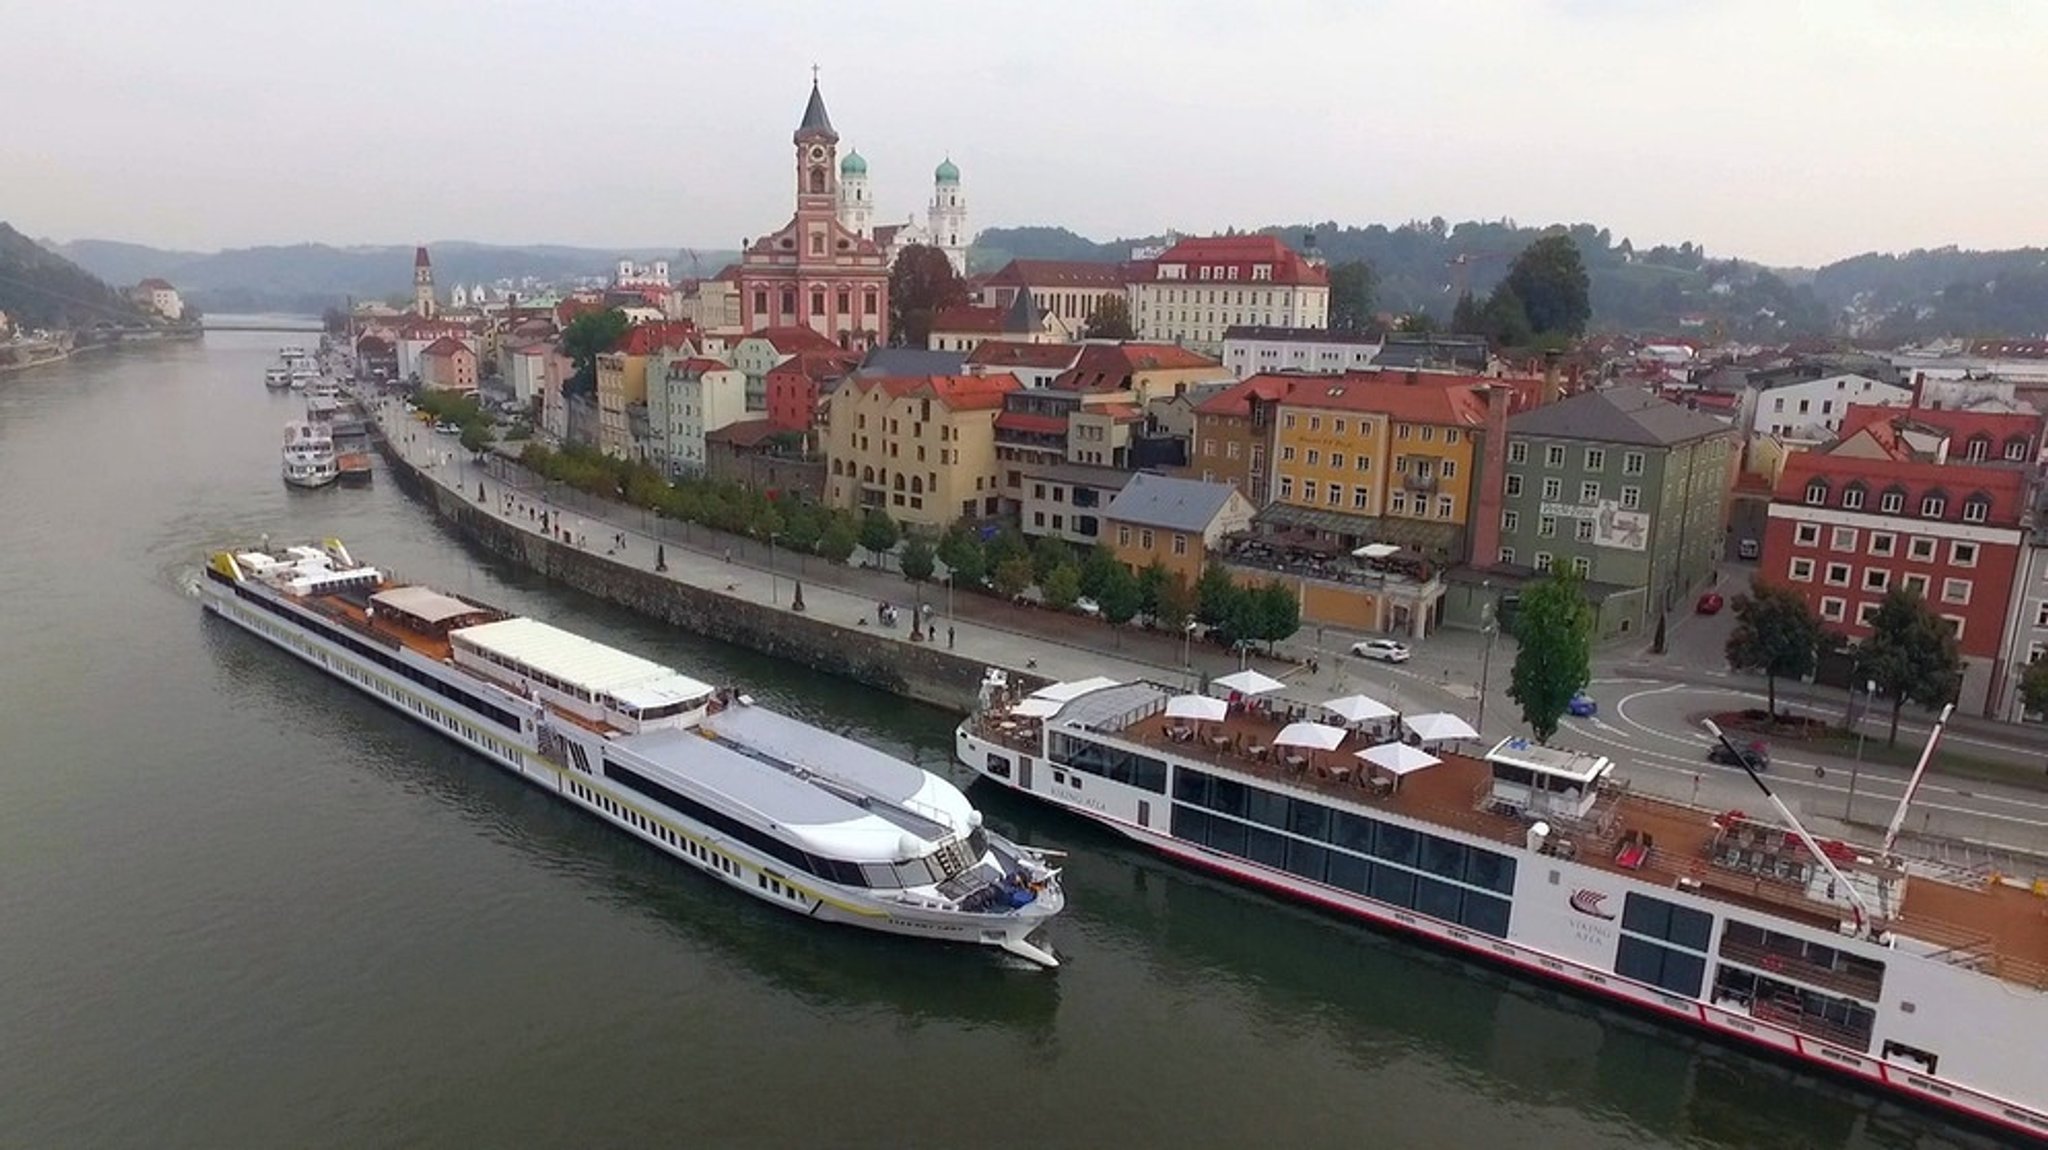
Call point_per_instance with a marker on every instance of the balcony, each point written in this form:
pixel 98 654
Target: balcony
pixel 1416 482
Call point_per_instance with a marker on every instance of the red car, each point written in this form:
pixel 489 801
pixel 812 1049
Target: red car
pixel 1709 604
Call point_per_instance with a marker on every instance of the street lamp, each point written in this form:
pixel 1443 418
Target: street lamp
pixel 1187 661
pixel 774 587
pixel 1856 768
pixel 1489 628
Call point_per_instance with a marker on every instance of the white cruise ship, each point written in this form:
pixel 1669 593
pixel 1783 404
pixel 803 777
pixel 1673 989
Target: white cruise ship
pixel 277 378
pixel 309 457
pixel 1914 979
pixel 803 819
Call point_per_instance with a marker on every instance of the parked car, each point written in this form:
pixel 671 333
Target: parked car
pixel 446 428
pixel 1747 549
pixel 1710 603
pixel 1755 751
pixel 1385 650
pixel 1086 606
pixel 1582 706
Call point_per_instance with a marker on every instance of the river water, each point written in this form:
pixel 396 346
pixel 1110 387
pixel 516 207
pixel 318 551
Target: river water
pixel 242 905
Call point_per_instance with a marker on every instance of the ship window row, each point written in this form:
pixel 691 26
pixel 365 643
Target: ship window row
pixel 1838 1020
pixel 1655 918
pixel 1382 882
pixel 1679 971
pixel 538 676
pixel 1112 763
pixel 831 870
pixel 450 691
pixel 631 817
pixel 1391 842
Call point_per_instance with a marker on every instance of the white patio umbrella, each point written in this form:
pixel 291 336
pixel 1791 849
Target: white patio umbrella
pixel 1398 758
pixel 1062 692
pixel 1358 709
pixel 1250 682
pixel 1201 708
pixel 1037 708
pixel 1317 736
pixel 1437 726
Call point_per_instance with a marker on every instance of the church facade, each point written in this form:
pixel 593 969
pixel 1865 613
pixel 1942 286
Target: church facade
pixel 945 226
pixel 817 272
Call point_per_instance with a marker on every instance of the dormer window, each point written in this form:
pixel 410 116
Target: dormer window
pixel 1816 493
pixel 2016 449
pixel 1933 504
pixel 1979 448
pixel 1892 501
pixel 1977 508
pixel 1852 497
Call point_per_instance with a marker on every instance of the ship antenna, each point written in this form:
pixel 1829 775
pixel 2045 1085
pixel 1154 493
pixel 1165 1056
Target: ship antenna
pixel 1891 831
pixel 1862 909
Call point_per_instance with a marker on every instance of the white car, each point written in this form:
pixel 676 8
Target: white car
pixel 1385 650
pixel 1088 607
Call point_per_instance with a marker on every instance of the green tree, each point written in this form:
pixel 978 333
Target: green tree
pixel 1504 321
pixel 588 336
pixel 1012 576
pixel 922 283
pixel 1049 552
pixel 802 527
pixel 1118 596
pixel 966 560
pixel 1550 279
pixel 1416 323
pixel 878 532
pixel 1216 596
pixel 1554 662
pixel 1151 581
pixel 1008 544
pixel 1111 319
pixel 476 437
pixel 1910 654
pixel 1098 567
pixel 917 558
pixel 837 542
pixel 764 521
pixel 1176 604
pixel 1777 633
pixel 1062 587
pixel 1467 318
pixel 1353 296
pixel 1276 613
pixel 2034 686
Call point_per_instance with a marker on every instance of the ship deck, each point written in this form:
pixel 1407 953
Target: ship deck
pixel 1982 923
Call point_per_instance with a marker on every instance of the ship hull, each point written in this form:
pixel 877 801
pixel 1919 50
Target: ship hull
pixel 1552 967
pixel 728 860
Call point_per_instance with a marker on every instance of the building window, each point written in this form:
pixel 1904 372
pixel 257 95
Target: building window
pixel 1632 463
pixel 1286 487
pixel 1921 549
pixel 1361 498
pixel 1955 625
pixel 1180 544
pixel 1843 539
pixel 1876 578
pixel 1838 575
pixel 1123 536
pixel 1882 543
pixel 1581 566
pixel 1582 530
pixel 1518 452
pixel 1865 611
pixel 1802 571
pixel 1448 468
pixel 1553 456
pixel 1315 458
pixel 1932 506
pixel 1955 591
pixel 1546 526
pixel 1917 584
pixel 1507 555
pixel 1451 435
pixel 1852 498
pixel 1589 492
pixel 1542 562
pixel 1288 422
pixel 1832 609
pixel 1631 498
pixel 1397 503
pixel 1962 554
pixel 1511 521
pixel 1287 455
pixel 1444 505
pixel 1365 463
pixel 1596 459
pixel 1892 502
pixel 1145 539
pixel 1514 486
pixel 1308 491
pixel 1553 489
pixel 2040 616
pixel 1336 461
pixel 1816 493
pixel 1976 510
pixel 1806 535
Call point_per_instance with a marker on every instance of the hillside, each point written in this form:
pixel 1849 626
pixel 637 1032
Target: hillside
pixel 1422 266
pixel 39 289
pixel 309 278
pixel 1940 291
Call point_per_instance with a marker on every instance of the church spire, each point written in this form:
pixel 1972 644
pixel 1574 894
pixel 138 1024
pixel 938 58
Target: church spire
pixel 816 122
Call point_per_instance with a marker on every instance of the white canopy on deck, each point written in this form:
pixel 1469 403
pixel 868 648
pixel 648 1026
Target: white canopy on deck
pixel 1249 682
pixel 1037 708
pixel 1358 709
pixel 1398 758
pixel 1318 736
pixel 1201 708
pixel 1063 692
pixel 1439 726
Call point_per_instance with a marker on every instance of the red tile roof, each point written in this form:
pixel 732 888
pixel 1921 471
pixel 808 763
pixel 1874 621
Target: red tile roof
pixel 1236 400
pixel 1110 366
pixel 2004 487
pixel 956 392
pixel 817 366
pixel 1999 427
pixel 444 347
pixel 792 339
pixel 1029 423
pixel 747 433
pixel 1417 397
pixel 1010 353
pixel 1057 274
pixel 1240 252
pixel 969 318
pixel 648 338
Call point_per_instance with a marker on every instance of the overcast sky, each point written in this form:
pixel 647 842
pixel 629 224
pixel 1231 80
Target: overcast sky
pixel 1776 130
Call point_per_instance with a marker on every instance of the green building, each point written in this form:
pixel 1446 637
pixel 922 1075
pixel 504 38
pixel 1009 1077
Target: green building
pixel 1626 488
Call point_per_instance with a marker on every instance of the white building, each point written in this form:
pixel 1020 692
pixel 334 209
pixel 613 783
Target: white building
pixel 160 297
pixel 1198 289
pixel 945 225
pixel 1809 411
pixel 529 369
pixel 696 397
pixel 1253 350
pixel 631 275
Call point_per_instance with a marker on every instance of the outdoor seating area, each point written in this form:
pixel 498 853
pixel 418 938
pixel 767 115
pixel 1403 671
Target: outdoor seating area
pixel 1306 554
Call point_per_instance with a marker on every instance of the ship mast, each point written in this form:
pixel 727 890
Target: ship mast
pixel 1864 918
pixel 1891 832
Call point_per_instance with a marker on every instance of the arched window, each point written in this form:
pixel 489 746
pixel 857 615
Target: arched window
pixel 817 181
pixel 1933 504
pixel 899 481
pixel 1852 496
pixel 1816 492
pixel 1977 508
pixel 867 475
pixel 916 485
pixel 1979 448
pixel 2016 449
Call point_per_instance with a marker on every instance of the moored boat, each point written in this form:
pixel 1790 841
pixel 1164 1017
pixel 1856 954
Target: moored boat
pixel 804 819
pixel 1910 977
pixel 309 458
pixel 277 378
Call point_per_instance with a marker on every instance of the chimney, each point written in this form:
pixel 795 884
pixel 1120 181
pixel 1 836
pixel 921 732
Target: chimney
pixel 1414 377
pixel 1553 388
pixel 1919 381
pixel 1489 483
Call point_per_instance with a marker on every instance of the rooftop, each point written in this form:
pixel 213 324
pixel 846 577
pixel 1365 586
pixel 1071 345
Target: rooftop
pixel 1299 335
pixel 1628 415
pixel 1150 500
pixel 1417 397
pixel 1058 274
pixel 1113 366
pixel 585 663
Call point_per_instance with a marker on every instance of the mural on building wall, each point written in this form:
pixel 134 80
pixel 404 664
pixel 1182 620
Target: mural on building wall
pixel 1612 526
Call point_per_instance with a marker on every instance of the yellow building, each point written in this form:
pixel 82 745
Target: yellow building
pixel 622 381
pixel 1379 447
pixel 919 448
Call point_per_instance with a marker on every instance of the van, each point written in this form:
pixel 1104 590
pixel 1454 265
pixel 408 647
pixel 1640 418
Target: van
pixel 1747 549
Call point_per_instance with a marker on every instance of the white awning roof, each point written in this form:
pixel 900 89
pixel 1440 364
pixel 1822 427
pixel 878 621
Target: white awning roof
pixel 1063 692
pixel 1201 708
pixel 1438 726
pixel 1398 758
pixel 1037 708
pixel 1316 735
pixel 1376 551
pixel 1358 709
pixel 571 658
pixel 424 603
pixel 1249 682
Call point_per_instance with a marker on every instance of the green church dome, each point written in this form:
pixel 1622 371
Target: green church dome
pixel 947 173
pixel 853 165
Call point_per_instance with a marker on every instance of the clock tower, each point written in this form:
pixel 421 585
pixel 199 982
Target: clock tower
pixel 817 181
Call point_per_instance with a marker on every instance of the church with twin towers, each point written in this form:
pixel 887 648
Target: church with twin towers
pixel 945 226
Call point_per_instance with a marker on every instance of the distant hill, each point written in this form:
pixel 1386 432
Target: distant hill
pixel 40 289
pixel 1422 266
pixel 1940 291
pixel 312 277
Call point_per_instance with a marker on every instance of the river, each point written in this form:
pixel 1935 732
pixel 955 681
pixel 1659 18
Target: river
pixel 241 904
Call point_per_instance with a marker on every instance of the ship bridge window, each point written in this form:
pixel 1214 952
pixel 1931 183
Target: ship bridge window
pixel 1112 763
pixel 831 870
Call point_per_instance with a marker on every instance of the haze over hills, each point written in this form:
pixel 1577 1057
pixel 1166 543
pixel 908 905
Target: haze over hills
pixel 40 289
pixel 1420 267
pixel 310 278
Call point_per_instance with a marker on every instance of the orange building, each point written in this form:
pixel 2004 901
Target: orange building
pixel 1177 523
